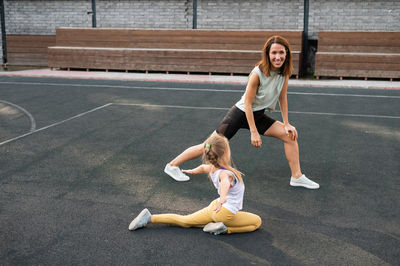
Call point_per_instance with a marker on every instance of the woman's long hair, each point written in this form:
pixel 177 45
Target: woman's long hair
pixel 265 64
pixel 214 149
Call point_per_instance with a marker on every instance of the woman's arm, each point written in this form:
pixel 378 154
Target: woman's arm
pixel 204 168
pixel 251 90
pixel 225 180
pixel 283 104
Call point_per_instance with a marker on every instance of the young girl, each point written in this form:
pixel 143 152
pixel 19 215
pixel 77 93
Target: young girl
pixel 268 84
pixel 223 215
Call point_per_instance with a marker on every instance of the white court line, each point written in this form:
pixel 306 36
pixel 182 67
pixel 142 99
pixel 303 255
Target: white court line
pixel 222 108
pixel 198 89
pixel 31 118
pixel 55 124
pixel 351 115
pixel 183 107
pixel 171 106
pixel 344 95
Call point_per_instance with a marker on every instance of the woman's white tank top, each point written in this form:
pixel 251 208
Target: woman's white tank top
pixel 267 93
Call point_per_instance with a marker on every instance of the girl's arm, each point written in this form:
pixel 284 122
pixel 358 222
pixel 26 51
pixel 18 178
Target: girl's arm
pixel 204 168
pixel 283 104
pixel 251 90
pixel 225 180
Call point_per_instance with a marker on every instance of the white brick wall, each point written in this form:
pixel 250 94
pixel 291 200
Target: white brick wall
pixel 175 14
pixel 250 14
pixel 42 17
pixel 368 15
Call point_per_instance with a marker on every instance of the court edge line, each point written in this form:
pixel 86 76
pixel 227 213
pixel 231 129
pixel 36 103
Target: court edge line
pixel 55 124
pixel 206 90
pixel 223 108
pixel 180 107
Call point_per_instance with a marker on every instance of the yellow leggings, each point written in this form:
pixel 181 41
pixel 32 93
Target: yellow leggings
pixel 237 223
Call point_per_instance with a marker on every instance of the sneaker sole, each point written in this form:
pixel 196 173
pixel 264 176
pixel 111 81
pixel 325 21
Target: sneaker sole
pixel 215 229
pixel 134 223
pixel 303 185
pixel 179 180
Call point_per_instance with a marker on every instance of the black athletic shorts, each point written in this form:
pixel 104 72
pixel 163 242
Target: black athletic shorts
pixel 236 119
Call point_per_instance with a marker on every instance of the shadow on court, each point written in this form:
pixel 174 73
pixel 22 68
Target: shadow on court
pixel 81 158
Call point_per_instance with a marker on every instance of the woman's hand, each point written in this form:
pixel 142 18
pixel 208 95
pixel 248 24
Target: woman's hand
pixel 256 139
pixel 291 132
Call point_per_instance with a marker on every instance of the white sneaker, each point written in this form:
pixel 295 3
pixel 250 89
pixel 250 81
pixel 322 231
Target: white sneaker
pixel 141 220
pixel 215 228
pixel 175 173
pixel 303 181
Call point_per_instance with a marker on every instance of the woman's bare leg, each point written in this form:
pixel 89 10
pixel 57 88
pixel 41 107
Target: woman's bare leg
pixel 277 130
pixel 189 154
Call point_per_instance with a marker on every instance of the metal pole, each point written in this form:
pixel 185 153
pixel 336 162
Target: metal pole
pixel 305 36
pixel 3 32
pixel 194 14
pixel 94 13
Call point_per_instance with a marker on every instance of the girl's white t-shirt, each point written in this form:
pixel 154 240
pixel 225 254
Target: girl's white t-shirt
pixel 234 198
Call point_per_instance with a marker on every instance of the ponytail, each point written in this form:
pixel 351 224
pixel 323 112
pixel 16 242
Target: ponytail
pixel 214 149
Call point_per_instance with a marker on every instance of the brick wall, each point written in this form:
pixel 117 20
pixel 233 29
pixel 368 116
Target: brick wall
pixel 41 17
pixel 250 14
pixel 175 14
pixel 368 15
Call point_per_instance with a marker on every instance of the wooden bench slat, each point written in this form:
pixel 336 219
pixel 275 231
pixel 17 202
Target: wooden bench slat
pixel 172 32
pixel 358 73
pixel 31 38
pixel 38 50
pixel 141 52
pixel 359 34
pixel 164 45
pixel 360 49
pixel 25 55
pixel 359 41
pixel 85 34
pixel 358 58
pixel 359 65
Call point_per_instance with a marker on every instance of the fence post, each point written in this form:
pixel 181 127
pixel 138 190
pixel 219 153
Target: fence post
pixel 305 38
pixel 94 13
pixel 194 14
pixel 3 32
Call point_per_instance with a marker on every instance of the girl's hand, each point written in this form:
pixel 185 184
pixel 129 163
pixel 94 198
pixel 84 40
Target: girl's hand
pixel 190 171
pixel 256 139
pixel 291 132
pixel 204 168
pixel 218 207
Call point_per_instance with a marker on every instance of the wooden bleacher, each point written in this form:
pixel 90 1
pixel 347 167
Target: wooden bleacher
pixel 358 54
pixel 166 50
pixel 28 50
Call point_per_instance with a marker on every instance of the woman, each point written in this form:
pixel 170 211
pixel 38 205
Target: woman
pixel 268 84
pixel 224 214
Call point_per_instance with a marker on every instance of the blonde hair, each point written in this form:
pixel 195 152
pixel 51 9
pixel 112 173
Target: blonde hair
pixel 265 64
pixel 214 149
